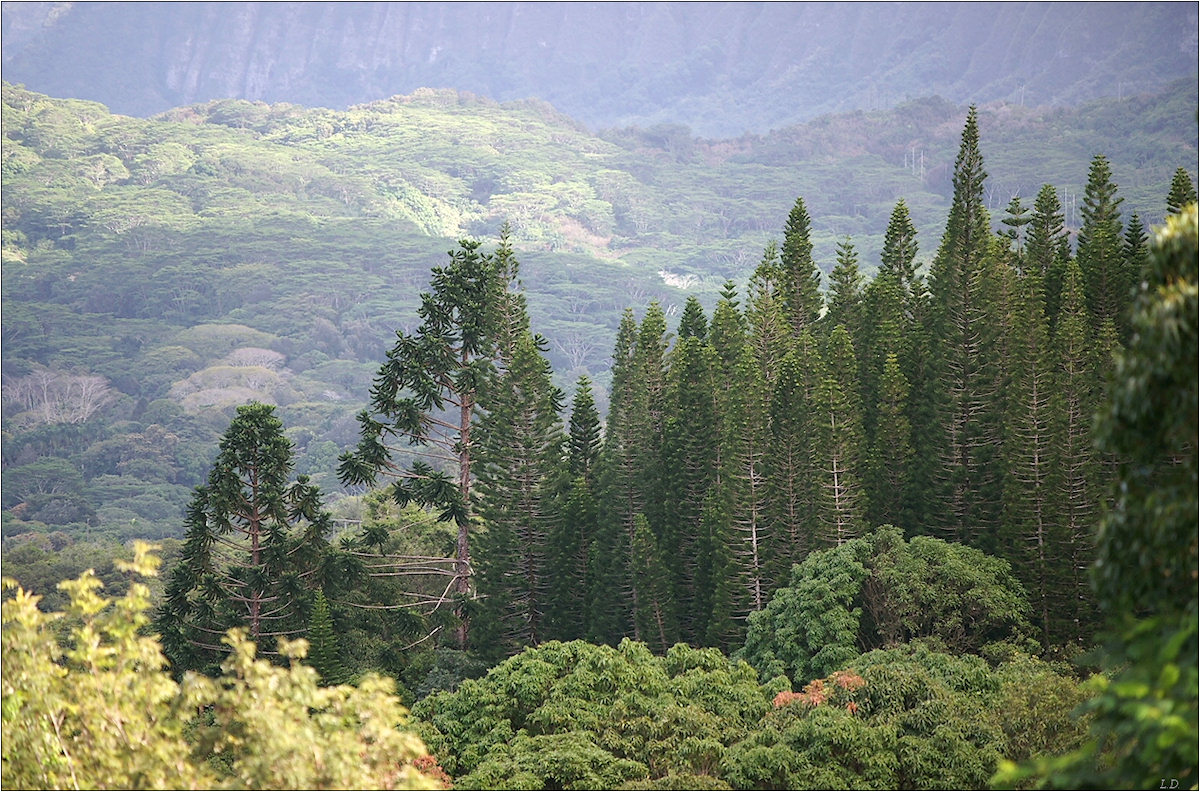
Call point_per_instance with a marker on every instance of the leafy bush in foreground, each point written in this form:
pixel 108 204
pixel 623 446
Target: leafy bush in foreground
pixel 97 710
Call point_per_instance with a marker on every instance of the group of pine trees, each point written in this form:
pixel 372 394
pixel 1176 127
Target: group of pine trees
pixel 958 405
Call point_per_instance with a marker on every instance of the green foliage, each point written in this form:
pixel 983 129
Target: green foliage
pixel 812 625
pixel 907 718
pixel 605 715
pixel 878 591
pixel 732 451
pixel 1147 544
pixel 96 709
pixel 1147 560
pixel 570 760
pixel 446 670
pixel 1145 707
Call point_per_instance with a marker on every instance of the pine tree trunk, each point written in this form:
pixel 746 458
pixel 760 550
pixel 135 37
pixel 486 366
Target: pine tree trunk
pixel 462 582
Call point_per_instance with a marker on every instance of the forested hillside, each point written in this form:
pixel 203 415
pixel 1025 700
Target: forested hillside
pixel 924 531
pixel 159 272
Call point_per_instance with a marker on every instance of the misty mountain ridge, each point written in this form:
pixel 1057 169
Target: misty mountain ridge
pixel 720 68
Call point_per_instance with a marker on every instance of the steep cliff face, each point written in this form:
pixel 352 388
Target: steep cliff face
pixel 721 68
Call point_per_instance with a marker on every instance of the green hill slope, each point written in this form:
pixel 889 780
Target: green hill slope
pixel 235 250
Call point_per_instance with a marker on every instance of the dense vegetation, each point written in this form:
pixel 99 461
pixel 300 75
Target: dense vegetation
pixel 838 538
pixel 159 272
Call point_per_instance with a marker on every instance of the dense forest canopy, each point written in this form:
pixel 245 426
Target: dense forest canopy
pixel 855 497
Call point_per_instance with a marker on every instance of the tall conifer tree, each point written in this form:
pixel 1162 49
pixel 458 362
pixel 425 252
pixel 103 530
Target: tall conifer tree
pixel 426 394
pixel 888 332
pixel 573 537
pixel 1135 250
pixel 1031 495
pixel 1106 278
pixel 1182 193
pixel 252 548
pixel 649 412
pixel 584 443
pixel 801 278
pixel 323 651
pixel 887 476
pixel 611 594
pixel 518 464
pixel 656 612
pixel 900 247
pixel 792 478
pixel 1077 390
pixel 726 601
pixel 899 305
pixel 965 496
pixel 746 362
pixel 1046 247
pixel 1016 217
pixel 846 293
pixel 691 442
pixel 837 445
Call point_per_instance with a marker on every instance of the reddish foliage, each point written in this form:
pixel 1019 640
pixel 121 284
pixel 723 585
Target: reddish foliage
pixel 847 680
pixel 785 697
pixel 817 692
pixel 430 767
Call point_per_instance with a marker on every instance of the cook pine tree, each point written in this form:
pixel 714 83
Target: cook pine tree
pixel 612 597
pixel 1099 250
pixel 966 488
pixel 800 276
pixel 572 536
pixel 520 451
pixel 691 437
pixel 1182 193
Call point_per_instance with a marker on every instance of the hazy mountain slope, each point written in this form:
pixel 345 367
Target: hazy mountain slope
pixel 721 68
